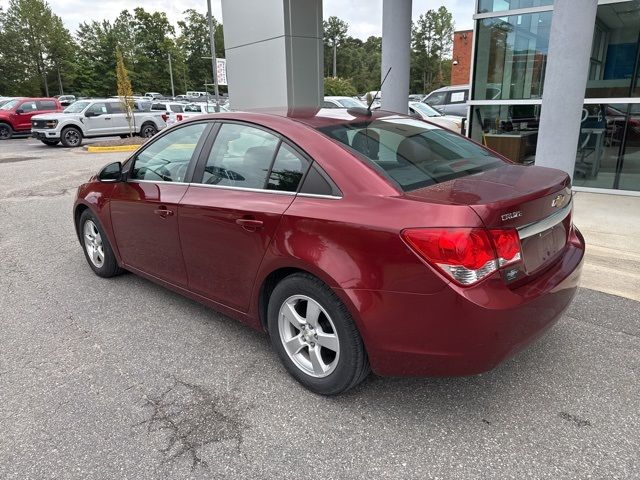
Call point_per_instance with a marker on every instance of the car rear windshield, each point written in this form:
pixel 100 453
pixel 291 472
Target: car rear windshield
pixel 412 153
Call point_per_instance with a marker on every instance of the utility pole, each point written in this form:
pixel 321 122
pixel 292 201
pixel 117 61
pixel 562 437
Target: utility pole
pixel 60 81
pixel 214 61
pixel 173 90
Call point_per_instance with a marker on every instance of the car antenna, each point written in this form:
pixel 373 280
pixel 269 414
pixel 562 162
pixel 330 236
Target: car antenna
pixel 367 111
pixel 378 91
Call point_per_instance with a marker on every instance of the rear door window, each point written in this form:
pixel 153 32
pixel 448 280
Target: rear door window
pixel 241 156
pixel 47 105
pixel 287 170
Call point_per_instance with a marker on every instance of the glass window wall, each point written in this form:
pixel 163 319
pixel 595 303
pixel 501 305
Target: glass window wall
pixel 502 5
pixel 608 150
pixel 511 56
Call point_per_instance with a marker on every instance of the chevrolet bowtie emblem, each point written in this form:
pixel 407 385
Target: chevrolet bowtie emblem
pixel 559 201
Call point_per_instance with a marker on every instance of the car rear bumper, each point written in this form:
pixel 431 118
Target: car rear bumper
pixel 463 331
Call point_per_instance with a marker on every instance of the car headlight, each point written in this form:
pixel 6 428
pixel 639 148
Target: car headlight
pixel 50 123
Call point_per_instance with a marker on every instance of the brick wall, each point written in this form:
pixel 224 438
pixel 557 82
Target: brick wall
pixel 460 72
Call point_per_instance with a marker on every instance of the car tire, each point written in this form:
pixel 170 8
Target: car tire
pixel 321 348
pixel 96 247
pixel 148 130
pixel 51 143
pixel 71 137
pixel 6 132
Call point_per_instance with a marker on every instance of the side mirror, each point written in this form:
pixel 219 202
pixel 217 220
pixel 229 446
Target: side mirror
pixel 90 113
pixel 19 111
pixel 111 173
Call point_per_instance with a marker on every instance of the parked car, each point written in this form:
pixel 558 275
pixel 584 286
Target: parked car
pixel 16 114
pixel 416 97
pixel 173 112
pixel 154 95
pixel 425 112
pixel 449 100
pixel 92 119
pixel 194 94
pixel 356 241
pixel 342 102
pixel 194 109
pixel 66 100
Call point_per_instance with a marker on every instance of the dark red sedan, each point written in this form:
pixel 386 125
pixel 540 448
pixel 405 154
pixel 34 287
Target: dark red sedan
pixel 357 242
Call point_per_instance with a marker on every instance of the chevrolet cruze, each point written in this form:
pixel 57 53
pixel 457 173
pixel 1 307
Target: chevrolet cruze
pixel 358 241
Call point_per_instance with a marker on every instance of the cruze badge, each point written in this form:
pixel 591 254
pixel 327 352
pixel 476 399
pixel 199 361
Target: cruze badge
pixel 559 201
pixel 511 215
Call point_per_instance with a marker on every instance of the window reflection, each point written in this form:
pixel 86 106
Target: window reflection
pixel 511 56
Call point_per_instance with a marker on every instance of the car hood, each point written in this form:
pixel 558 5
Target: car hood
pixel 52 116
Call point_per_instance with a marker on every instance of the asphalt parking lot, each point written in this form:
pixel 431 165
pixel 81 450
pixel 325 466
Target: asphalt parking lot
pixel 122 379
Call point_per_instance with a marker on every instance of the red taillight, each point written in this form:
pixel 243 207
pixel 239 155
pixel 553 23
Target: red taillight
pixel 164 117
pixel 507 243
pixel 179 117
pixel 466 255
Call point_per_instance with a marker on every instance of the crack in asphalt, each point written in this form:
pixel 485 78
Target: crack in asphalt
pixel 580 422
pixel 30 194
pixel 194 418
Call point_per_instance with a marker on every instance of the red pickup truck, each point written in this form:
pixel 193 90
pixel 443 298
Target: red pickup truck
pixel 15 115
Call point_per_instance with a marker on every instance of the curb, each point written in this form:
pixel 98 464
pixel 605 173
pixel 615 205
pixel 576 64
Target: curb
pixel 116 148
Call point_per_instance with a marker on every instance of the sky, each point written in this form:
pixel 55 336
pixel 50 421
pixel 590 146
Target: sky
pixel 363 16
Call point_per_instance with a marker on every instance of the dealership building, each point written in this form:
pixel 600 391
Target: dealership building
pixel 552 83
pixel 515 43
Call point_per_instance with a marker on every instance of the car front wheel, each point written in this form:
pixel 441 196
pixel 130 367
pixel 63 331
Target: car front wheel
pixel 97 249
pixel 6 132
pixel 71 137
pixel 315 336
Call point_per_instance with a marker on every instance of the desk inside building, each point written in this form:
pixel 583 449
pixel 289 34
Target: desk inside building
pixel 516 146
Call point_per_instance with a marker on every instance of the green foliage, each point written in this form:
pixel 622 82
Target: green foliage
pixel 339 86
pixel 35 45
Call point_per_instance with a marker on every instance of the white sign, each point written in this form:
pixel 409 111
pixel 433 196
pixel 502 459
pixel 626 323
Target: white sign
pixel 222 71
pixel 457 97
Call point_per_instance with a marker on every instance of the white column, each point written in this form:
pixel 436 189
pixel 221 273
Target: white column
pixel 274 53
pixel 565 82
pixel 396 53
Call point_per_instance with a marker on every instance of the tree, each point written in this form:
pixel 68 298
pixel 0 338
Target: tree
pixel 335 30
pixel 35 45
pixel 432 38
pixel 125 93
pixel 339 86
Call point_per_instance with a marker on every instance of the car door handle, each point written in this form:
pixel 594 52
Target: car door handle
pixel 250 224
pixel 107 118
pixel 164 212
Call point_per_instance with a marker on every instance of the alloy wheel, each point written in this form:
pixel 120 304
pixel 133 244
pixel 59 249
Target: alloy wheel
pixel 72 137
pixel 5 132
pixel 309 336
pixel 93 243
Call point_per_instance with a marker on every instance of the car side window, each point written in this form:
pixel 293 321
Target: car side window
pixel 46 105
pixel 458 96
pixel 192 108
pixel 167 158
pixel 240 157
pixel 98 108
pixel 28 107
pixel 436 99
pixel 328 105
pixel 287 170
pixel 159 106
pixel 176 108
pixel 115 107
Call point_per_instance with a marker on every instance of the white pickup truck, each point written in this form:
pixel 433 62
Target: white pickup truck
pixel 91 119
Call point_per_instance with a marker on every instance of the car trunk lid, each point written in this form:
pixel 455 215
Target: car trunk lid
pixel 534 200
